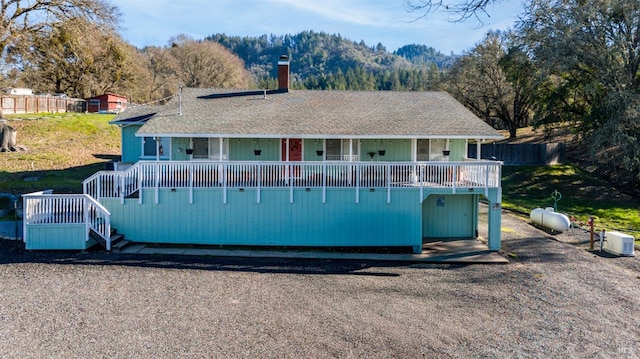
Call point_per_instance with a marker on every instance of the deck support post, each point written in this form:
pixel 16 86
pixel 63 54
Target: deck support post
pixel 495 219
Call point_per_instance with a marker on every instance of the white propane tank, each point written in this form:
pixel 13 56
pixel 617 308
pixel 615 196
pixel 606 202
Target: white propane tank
pixel 548 218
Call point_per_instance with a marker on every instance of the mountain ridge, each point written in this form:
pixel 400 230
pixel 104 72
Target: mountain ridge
pixel 321 60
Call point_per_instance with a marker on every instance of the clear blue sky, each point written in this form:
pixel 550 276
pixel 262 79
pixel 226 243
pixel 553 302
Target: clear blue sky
pixel 154 22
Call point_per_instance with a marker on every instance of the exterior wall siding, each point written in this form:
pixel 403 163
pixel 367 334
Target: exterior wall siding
pixel 56 236
pixel 340 221
pixel 458 150
pixel 395 150
pixel 131 145
pixel 310 147
pixel 179 146
pixel 241 149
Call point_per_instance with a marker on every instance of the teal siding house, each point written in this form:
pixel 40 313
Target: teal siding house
pixel 284 168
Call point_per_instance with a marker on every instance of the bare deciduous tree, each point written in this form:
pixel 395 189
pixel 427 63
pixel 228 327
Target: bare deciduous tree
pixel 497 82
pixel 590 50
pixel 459 10
pixel 79 59
pixel 22 19
pixel 208 64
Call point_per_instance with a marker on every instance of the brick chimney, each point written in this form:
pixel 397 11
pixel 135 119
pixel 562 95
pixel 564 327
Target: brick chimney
pixel 283 73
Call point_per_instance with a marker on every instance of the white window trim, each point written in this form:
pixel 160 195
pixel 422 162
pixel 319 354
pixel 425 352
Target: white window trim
pixel 222 144
pixel 166 152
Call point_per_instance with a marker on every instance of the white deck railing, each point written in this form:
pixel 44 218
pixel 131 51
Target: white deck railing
pixel 42 208
pixel 342 157
pixel 227 174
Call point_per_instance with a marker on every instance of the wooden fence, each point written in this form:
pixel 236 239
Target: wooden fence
pixel 521 153
pixel 21 104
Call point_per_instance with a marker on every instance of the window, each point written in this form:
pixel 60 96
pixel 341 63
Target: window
pixel 149 147
pixel 430 150
pixel 437 146
pixel 209 148
pixel 354 151
pixel 338 150
pixel 423 150
pixel 214 149
pixel 334 150
pixel 200 148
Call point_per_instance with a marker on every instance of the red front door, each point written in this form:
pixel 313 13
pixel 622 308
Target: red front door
pixel 295 149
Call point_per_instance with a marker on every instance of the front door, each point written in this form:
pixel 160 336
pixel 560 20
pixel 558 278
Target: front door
pixel 295 149
pixel 295 154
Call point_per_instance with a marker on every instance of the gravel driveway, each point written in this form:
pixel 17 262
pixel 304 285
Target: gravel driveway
pixel 553 300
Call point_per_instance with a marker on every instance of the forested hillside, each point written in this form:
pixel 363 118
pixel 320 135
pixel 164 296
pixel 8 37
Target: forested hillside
pixel 329 61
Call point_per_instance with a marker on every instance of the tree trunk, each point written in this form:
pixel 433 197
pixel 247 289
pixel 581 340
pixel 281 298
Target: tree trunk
pixel 7 138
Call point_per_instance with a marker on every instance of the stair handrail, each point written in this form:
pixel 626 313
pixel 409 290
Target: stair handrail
pixel 97 219
pixel 96 186
pixel 44 207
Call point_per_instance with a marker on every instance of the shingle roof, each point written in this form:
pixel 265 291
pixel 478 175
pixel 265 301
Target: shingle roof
pixel 134 114
pixel 320 114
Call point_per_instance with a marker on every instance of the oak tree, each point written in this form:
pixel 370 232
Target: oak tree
pixel 590 51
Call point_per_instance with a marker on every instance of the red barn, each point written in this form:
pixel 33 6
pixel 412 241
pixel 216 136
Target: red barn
pixel 107 103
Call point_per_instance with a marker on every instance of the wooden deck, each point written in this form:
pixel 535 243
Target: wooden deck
pixel 190 174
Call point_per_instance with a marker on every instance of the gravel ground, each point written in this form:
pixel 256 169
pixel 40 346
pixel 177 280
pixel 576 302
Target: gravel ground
pixel 554 299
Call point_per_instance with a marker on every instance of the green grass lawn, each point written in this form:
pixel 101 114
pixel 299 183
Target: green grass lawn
pixel 583 195
pixel 62 151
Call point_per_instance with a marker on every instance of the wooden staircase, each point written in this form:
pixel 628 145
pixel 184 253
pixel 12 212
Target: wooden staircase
pixel 117 240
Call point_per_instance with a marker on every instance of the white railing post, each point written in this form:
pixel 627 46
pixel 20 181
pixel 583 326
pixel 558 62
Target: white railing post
pixel 98 188
pixel 86 216
pixel 190 180
pixel 224 182
pixel 259 183
pixel 486 181
pixel 107 231
pixel 25 217
pixel 141 175
pixel 454 178
pixel 157 180
pixel 324 183
pixel 357 183
pixel 388 182
pixel 122 188
pixel 422 169
pixel 290 182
